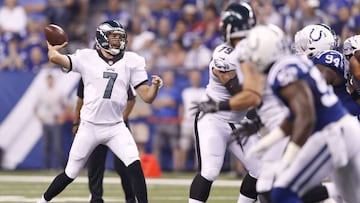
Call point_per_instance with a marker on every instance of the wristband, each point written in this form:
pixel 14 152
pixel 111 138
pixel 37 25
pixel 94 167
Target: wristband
pixel 291 151
pixel 233 86
pixel 224 106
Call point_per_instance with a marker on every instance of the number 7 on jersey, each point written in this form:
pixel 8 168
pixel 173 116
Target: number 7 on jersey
pixel 108 90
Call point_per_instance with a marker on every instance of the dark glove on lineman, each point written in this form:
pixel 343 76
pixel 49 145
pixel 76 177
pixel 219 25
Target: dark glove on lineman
pixel 209 106
pixel 248 127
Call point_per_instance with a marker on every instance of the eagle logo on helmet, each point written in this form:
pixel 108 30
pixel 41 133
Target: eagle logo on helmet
pixel 221 64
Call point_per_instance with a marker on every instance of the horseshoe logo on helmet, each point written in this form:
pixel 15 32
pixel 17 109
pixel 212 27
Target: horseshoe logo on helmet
pixel 313 37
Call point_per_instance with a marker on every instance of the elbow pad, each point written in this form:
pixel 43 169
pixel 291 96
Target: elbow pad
pixel 233 86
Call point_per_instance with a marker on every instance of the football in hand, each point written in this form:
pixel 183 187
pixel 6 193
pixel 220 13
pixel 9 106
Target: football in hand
pixel 55 35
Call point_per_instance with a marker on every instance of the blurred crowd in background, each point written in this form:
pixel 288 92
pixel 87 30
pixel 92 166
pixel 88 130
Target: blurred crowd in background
pixel 175 36
pixel 169 33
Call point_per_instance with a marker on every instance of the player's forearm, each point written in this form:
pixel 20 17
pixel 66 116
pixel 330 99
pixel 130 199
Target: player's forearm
pixel 286 126
pixel 151 94
pixel 58 58
pixel 302 130
pixel 244 100
pixel 305 119
pixel 355 67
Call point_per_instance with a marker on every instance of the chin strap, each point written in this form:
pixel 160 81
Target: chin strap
pixel 118 55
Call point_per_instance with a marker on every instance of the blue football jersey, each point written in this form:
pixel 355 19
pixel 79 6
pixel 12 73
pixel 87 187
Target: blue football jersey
pixel 336 62
pixel 333 60
pixel 292 68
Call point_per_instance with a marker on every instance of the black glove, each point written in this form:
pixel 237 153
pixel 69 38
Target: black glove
pixel 209 106
pixel 248 128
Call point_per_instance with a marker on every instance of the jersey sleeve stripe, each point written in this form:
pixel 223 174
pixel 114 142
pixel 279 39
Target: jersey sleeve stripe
pixel 67 70
pixel 80 90
pixel 131 94
pixel 143 82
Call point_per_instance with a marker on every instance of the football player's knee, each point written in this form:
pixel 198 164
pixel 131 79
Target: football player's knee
pixel 210 174
pixel 72 172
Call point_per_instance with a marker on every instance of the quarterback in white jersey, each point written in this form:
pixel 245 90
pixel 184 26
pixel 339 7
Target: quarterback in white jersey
pixel 107 73
pixel 213 130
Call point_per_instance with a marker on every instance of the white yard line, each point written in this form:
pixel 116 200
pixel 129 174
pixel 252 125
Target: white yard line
pixel 113 180
pixel 57 199
pixel 107 180
pixel 18 199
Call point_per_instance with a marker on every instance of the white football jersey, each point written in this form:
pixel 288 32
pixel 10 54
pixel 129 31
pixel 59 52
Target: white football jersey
pixel 224 59
pixel 106 83
pixel 190 95
pixel 271 112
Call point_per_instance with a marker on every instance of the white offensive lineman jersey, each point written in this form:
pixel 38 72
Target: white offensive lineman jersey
pixel 190 95
pixel 271 111
pixel 224 59
pixel 106 83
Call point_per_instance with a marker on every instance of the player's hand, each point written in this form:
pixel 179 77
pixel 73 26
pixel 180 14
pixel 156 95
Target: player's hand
pixel 56 47
pixel 156 81
pixel 248 128
pixel 53 51
pixel 209 106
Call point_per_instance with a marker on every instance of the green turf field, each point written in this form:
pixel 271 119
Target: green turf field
pixel 28 186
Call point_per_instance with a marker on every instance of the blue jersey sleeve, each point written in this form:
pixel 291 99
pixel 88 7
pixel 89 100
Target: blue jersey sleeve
pixel 333 60
pixel 285 75
pixel 326 104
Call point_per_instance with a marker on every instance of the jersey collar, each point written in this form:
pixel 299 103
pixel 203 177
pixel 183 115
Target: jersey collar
pixel 110 61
